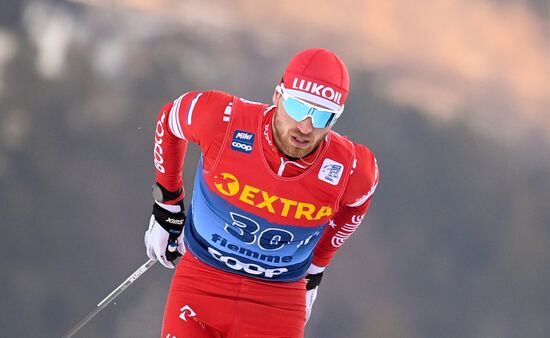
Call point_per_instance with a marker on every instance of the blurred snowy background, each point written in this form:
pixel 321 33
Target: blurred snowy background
pixel 453 96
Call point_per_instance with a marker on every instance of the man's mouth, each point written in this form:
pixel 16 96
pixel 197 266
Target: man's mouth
pixel 299 142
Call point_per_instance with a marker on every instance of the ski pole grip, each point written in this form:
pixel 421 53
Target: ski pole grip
pixel 172 249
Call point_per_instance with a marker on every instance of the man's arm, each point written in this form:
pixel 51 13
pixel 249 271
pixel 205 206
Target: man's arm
pixel 169 153
pixel 195 116
pixel 199 117
pixel 355 204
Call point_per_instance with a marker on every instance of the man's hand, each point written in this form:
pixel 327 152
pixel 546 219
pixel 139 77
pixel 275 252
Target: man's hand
pixel 164 238
pixel 313 280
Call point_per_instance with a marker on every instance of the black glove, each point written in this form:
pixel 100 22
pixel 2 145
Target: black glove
pixel 313 280
pixel 164 238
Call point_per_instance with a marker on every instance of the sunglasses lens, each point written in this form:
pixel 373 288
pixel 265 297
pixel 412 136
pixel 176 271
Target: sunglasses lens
pixel 299 111
pixel 295 109
pixel 321 119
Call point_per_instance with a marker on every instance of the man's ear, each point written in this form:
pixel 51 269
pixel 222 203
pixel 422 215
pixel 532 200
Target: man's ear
pixel 276 96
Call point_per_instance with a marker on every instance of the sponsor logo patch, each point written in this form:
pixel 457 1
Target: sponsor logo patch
pixel 317 89
pixel 242 141
pixel 187 312
pixel 331 171
pixel 250 268
pixel 158 152
pixel 228 185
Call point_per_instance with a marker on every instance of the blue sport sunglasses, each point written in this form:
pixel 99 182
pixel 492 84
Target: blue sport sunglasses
pixel 299 110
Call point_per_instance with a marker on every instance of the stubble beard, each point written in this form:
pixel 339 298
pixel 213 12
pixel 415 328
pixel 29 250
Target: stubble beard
pixel 283 143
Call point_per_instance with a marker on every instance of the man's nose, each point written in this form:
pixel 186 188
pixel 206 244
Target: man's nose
pixel 306 126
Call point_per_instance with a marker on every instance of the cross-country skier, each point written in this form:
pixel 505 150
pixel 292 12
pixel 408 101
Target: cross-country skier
pixel 276 194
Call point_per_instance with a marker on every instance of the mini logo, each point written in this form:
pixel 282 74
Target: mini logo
pixel 242 141
pixel 187 312
pixel 331 171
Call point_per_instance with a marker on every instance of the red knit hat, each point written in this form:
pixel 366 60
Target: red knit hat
pixel 319 76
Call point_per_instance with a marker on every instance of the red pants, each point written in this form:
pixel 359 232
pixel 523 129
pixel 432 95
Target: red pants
pixel 204 302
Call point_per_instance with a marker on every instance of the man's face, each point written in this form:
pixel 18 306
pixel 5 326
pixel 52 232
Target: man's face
pixel 293 138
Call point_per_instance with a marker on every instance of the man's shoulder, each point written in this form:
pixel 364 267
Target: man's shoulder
pixel 197 106
pixel 213 99
pixel 208 98
pixel 364 176
pixel 364 173
pixel 359 150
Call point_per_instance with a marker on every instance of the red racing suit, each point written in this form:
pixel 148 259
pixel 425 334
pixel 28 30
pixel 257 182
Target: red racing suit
pixel 257 220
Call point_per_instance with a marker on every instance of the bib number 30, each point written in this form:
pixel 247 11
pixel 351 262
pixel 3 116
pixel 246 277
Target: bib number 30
pixel 246 230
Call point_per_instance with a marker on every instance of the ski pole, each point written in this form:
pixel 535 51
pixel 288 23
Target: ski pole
pixel 101 305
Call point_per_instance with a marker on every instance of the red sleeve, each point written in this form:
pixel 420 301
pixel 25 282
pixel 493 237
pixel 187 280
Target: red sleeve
pixel 199 117
pixel 355 203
